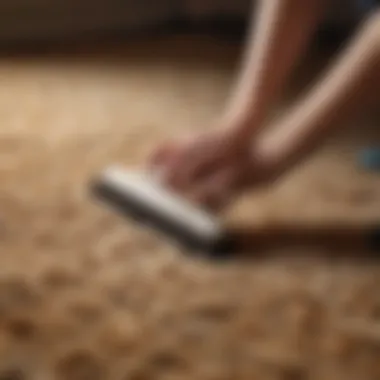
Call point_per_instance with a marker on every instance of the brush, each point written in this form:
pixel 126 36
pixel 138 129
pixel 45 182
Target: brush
pixel 139 196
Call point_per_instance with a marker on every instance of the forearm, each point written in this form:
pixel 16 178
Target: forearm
pixel 334 98
pixel 279 34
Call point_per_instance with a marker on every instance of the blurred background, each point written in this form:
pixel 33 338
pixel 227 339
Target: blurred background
pixel 30 21
pixel 86 295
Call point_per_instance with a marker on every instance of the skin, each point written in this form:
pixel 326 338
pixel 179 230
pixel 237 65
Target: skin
pixel 278 37
pixel 215 167
pixel 332 100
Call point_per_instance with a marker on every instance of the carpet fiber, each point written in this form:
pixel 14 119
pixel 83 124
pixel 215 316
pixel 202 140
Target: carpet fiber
pixel 85 295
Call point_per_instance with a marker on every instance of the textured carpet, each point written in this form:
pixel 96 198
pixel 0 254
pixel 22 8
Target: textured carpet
pixel 86 296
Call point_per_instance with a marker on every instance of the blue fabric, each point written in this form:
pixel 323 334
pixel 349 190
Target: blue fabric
pixel 369 159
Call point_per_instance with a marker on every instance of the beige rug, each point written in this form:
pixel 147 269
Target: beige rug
pixel 86 296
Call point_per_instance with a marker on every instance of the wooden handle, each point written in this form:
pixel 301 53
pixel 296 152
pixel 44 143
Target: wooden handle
pixel 344 239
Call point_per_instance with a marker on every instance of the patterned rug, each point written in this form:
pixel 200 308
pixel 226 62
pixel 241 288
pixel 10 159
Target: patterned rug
pixel 85 295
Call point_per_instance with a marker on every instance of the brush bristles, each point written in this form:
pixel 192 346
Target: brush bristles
pixel 140 196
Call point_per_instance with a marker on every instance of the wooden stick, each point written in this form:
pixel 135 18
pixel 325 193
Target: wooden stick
pixel 343 239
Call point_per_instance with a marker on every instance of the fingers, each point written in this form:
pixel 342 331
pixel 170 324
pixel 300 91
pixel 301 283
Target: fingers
pixel 170 159
pixel 216 192
pixel 200 169
pixel 167 162
pixel 196 160
pixel 161 155
pixel 187 171
pixel 182 164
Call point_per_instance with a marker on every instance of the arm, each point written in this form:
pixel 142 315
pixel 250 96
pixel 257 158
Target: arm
pixel 355 73
pixel 282 30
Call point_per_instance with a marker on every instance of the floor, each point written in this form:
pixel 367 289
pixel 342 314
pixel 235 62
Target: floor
pixel 85 295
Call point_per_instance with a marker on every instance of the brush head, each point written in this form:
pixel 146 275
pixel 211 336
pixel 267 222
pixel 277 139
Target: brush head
pixel 139 196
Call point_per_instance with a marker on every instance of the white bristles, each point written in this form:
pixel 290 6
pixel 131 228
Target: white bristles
pixel 145 188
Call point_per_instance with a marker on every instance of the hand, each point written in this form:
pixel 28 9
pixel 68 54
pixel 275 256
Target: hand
pixel 211 168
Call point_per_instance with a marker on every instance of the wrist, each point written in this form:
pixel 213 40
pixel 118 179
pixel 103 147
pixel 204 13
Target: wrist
pixel 276 157
pixel 239 128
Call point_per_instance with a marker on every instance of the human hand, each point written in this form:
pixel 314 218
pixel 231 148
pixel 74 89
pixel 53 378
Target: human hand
pixel 211 168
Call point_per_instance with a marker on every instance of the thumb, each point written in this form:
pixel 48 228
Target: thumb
pixel 218 191
pixel 161 155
